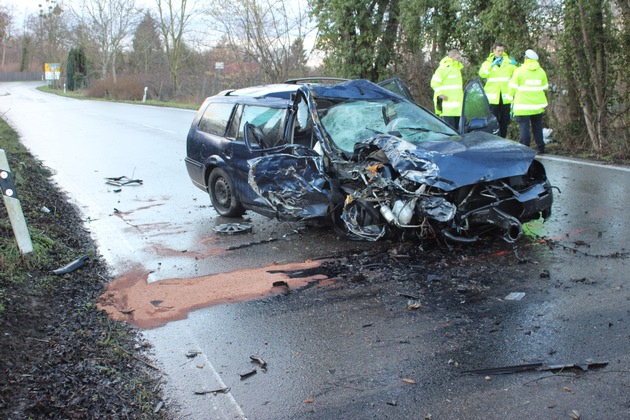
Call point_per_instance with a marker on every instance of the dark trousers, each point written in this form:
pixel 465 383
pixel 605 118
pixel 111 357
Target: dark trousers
pixel 452 121
pixel 535 121
pixel 502 112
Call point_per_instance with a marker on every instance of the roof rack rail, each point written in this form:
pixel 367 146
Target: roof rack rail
pixel 314 78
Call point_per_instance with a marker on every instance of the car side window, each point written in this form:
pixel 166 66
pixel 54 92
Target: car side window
pixel 215 118
pixel 269 120
pixel 232 131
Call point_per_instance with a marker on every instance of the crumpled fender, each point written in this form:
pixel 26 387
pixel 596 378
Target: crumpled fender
pixel 294 186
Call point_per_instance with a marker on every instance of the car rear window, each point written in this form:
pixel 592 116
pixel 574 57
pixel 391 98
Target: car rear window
pixel 215 118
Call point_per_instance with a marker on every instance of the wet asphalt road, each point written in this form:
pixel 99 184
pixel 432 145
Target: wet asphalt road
pixel 351 348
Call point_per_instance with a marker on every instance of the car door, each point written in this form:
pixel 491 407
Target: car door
pixel 290 180
pixel 269 123
pixel 476 114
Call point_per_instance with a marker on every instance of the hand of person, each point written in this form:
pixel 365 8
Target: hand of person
pixel 513 61
pixel 497 61
pixel 443 97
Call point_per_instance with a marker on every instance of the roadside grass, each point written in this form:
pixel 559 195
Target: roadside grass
pixel 14 265
pixel 84 96
pixel 48 248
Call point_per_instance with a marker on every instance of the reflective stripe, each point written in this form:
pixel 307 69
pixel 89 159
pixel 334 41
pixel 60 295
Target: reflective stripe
pixel 491 96
pixel 533 82
pixel 529 107
pixel 436 78
pixel 451 105
pixel 447 87
pixel 498 79
pixel 532 88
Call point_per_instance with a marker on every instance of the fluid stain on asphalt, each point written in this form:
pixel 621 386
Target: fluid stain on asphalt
pixel 130 298
pixel 170 252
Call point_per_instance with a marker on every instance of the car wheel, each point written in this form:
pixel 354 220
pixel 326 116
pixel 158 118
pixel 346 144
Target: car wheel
pixel 222 194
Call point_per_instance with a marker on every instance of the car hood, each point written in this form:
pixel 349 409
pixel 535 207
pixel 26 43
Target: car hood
pixel 456 161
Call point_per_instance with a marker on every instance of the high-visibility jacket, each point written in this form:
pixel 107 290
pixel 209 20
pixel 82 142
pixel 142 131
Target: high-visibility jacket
pixel 527 89
pixel 498 76
pixel 447 80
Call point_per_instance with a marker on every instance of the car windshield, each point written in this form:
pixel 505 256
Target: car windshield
pixel 355 121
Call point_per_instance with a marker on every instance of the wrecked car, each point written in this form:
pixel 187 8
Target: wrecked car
pixel 368 159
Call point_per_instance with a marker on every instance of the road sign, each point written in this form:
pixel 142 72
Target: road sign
pixel 52 71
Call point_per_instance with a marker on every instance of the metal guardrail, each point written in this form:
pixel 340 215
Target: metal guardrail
pixel 20 76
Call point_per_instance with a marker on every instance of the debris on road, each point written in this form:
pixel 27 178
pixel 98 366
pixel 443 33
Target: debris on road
pixel 515 296
pixel 413 305
pixel 79 262
pixel 193 353
pixel 259 361
pixel 231 228
pixel 247 374
pixel 121 181
pixel 223 390
pixel 539 366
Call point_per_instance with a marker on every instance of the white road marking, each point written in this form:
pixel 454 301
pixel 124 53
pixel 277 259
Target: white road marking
pixel 158 128
pixel 583 162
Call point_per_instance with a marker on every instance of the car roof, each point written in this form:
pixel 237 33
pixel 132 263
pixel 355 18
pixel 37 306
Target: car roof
pixel 278 90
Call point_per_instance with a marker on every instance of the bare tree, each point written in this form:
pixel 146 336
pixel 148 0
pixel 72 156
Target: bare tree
pixel 265 31
pixel 6 21
pixel 174 18
pixel 110 23
pixel 50 35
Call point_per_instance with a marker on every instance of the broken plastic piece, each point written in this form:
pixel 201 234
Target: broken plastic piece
pixel 515 296
pixel 121 181
pixel 79 262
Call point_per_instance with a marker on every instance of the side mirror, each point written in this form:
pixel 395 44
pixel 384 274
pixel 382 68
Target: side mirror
pixel 477 124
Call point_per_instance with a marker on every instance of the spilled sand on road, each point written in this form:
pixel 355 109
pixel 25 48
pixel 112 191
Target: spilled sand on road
pixel 130 298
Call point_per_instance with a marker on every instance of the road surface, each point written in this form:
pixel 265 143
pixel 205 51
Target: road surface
pixel 368 340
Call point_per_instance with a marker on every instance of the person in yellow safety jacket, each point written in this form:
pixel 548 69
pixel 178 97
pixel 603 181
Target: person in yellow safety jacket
pixel 448 91
pixel 498 69
pixel 527 91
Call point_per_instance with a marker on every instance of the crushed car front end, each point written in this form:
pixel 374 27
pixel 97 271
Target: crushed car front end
pixel 383 165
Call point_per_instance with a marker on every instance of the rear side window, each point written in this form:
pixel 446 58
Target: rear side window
pixel 215 118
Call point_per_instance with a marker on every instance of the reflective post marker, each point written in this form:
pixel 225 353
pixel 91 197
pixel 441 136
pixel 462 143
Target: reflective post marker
pixel 14 208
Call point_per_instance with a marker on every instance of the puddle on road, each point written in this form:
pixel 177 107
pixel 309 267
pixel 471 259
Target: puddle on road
pixel 131 299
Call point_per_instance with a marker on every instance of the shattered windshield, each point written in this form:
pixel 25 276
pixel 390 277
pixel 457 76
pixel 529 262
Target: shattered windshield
pixel 355 121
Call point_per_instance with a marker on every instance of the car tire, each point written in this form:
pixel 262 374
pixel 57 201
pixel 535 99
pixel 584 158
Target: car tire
pixel 223 195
